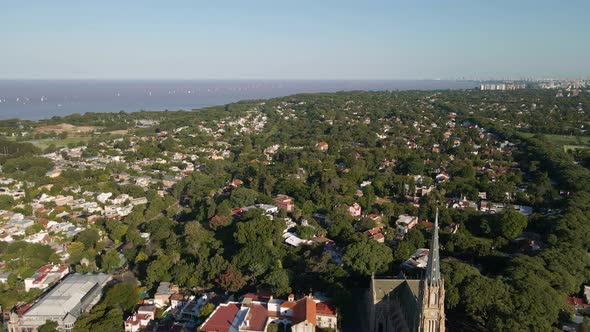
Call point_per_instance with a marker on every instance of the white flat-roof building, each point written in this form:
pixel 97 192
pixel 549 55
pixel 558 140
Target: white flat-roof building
pixel 63 304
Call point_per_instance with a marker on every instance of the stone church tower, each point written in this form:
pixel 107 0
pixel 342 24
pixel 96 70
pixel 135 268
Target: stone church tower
pixel 433 290
pixel 409 305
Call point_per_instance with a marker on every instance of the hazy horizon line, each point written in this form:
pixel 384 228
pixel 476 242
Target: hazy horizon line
pixel 240 79
pixel 530 78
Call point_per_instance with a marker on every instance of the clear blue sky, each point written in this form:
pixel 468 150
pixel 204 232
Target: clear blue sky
pixel 280 39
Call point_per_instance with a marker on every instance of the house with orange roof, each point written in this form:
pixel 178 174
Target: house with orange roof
pixel 376 234
pixel 255 313
pixel 322 146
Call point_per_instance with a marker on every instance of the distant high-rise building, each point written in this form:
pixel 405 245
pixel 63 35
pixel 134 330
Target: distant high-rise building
pixel 501 86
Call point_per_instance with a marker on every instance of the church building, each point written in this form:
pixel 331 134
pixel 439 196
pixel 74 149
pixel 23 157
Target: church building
pixel 409 305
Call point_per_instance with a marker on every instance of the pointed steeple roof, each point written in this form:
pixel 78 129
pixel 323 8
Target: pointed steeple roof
pixel 433 268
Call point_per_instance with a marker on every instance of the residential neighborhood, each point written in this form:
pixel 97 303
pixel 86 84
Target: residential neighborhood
pixel 249 219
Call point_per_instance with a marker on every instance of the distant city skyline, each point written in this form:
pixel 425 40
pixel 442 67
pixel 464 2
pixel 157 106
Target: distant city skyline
pixel 270 40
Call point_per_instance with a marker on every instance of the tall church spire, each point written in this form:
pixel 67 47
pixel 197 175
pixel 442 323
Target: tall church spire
pixel 433 268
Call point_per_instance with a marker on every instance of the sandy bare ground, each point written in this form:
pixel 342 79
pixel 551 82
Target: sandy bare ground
pixel 119 132
pixel 64 127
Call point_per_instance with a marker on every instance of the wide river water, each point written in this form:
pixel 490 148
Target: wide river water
pixel 41 99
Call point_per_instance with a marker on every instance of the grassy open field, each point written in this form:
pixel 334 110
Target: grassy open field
pixel 44 143
pixel 568 142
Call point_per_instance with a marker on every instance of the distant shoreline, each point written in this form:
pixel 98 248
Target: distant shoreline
pixel 43 99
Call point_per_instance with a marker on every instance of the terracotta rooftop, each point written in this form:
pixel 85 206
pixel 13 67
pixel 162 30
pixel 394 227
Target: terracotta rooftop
pixel 378 236
pixel 221 319
pixel 576 301
pixel 374 230
pixel 323 308
pixel 288 304
pixel 179 297
pixel 257 317
pixel 21 310
pixel 261 296
pixel 137 318
pixel 322 240
pixel 51 269
pixel 429 225
pixel 304 310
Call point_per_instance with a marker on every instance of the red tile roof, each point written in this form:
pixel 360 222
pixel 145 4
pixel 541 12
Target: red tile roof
pixel 378 237
pixel 323 308
pixel 257 317
pixel 288 305
pixel 261 296
pixel 374 230
pixel 136 319
pixel 374 216
pixel 304 310
pixel 576 301
pixel 20 311
pixel 40 278
pixel 51 269
pixel 427 224
pixel 221 319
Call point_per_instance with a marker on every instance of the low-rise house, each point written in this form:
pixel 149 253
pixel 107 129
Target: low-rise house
pixel 236 183
pixel 322 241
pixel 168 182
pixel 484 206
pixel 222 318
pixel 179 299
pixel 141 319
pixel 418 260
pixel 375 217
pixel 293 239
pixel 45 276
pixel 267 208
pixel 355 210
pixel 21 224
pixel 41 237
pixel 163 293
pixel 577 304
pixel 526 210
pixel 63 200
pixel 121 199
pixel 256 313
pixel 6 238
pixel 323 146
pixel 103 197
pixel 44 198
pixel 376 234
pixel 285 202
pixel 111 210
pixel 138 201
pixel 405 223
pixel 124 210
pixel 62 227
